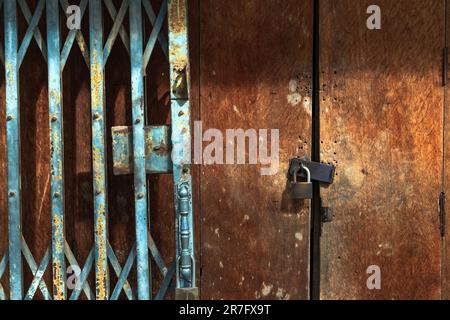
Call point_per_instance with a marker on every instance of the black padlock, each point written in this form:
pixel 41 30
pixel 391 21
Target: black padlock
pixel 304 189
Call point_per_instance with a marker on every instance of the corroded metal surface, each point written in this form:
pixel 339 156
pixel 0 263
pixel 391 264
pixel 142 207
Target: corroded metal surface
pixel 99 149
pixel 181 142
pixel 56 150
pixel 13 150
pixel 157 150
pixel 140 179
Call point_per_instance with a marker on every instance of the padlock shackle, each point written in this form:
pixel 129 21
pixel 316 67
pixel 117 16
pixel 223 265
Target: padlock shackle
pixel 308 173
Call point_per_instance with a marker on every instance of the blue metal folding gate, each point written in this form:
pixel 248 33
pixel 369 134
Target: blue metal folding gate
pixel 136 149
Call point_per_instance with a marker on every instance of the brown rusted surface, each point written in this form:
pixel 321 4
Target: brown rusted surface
pixel 381 124
pixel 78 159
pixel 446 188
pixel 255 64
pixel 35 156
pixel 194 100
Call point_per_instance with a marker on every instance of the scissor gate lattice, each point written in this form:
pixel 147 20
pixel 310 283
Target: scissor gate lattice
pixel 130 145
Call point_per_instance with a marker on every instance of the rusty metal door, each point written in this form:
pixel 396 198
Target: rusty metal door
pixel 382 102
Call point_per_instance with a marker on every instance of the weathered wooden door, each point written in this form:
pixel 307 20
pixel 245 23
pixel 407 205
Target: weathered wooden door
pixel 255 73
pixel 382 102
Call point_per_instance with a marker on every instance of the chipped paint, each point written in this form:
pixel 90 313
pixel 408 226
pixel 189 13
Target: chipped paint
pixel 98 149
pixel 181 141
pixel 56 151
pixel 157 150
pixel 140 185
pixel 13 150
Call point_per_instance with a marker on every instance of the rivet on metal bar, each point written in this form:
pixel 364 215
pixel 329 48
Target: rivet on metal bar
pixel 99 149
pixel 57 153
pixel 140 179
pixel 13 150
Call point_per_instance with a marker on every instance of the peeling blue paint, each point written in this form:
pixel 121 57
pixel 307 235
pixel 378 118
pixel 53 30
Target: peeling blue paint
pixel 140 179
pixel 13 150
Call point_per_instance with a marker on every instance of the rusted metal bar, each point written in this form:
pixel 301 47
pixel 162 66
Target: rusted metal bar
pixel 117 269
pixel 84 273
pixel 122 32
pixel 124 273
pixel 99 149
pixel 156 32
pixel 37 271
pixel 138 116
pixel 118 20
pixel 152 17
pixel 74 34
pixel 181 144
pixel 37 34
pixel 56 150
pixel 13 150
pixel 31 30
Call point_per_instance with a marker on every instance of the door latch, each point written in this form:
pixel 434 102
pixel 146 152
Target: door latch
pixel 319 172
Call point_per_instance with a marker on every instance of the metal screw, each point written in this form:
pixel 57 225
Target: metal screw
pixel 138 120
pixel 181 113
pixel 140 195
pixel 96 116
pixel 57 194
pixel 9 118
pixel 98 192
pixel 12 194
pixel 54 119
pixel 185 170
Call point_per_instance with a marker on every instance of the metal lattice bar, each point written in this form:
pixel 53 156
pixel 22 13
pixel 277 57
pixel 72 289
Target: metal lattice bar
pixel 140 179
pixel 122 32
pixel 132 142
pixel 158 23
pixel 166 282
pixel 75 34
pixel 37 34
pixel 99 149
pixel 57 152
pixel 34 269
pixel 13 150
pixel 117 269
pixel 84 273
pixel 152 16
pixel 3 264
pixel 181 142
pixel 30 31
pixel 38 273
pixel 115 30
pixel 124 274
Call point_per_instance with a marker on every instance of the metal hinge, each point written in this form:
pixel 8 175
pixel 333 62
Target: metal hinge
pixel 442 214
pixel 445 67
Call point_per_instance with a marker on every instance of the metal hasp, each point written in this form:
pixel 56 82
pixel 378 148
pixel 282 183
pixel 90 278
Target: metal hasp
pixel 157 150
pixel 181 145
pixel 319 172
